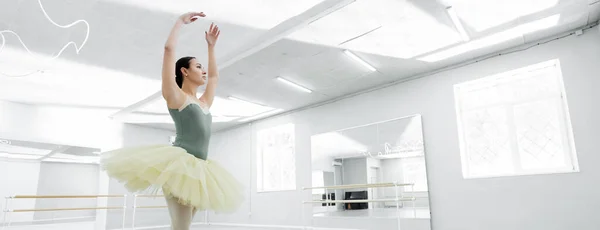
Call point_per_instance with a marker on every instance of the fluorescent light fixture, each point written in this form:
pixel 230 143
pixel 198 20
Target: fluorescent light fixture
pixel 360 61
pixel 494 39
pixel 294 85
pixel 457 23
pixel 261 115
pixel 241 100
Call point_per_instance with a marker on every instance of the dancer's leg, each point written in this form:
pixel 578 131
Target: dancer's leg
pixel 181 215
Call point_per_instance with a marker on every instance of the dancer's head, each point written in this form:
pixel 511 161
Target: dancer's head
pixel 188 70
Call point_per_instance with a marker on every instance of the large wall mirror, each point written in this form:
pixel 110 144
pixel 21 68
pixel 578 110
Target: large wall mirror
pixel 376 170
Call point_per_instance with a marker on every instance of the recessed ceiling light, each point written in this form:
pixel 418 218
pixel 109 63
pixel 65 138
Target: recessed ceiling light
pixel 294 85
pixel 457 23
pixel 360 61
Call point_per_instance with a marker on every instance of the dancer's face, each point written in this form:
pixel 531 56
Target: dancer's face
pixel 195 73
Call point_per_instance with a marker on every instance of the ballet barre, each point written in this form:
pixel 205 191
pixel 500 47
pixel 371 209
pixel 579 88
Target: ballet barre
pixel 7 203
pixel 350 186
pixel 398 196
pixel 358 201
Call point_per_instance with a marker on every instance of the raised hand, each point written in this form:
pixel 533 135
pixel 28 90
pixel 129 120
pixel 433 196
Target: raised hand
pixel 212 35
pixel 190 17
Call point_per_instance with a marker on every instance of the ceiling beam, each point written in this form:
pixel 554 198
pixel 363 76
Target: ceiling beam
pixel 268 38
pixel 55 151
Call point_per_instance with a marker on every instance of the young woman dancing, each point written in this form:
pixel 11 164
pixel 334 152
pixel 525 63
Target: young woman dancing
pixel 189 181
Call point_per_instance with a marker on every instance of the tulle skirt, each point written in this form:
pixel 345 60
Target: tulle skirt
pixel 203 184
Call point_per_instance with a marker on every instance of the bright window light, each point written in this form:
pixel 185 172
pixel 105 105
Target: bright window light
pixel 457 23
pixel 294 85
pixel 493 39
pixel 359 61
pixel 276 159
pixel 515 123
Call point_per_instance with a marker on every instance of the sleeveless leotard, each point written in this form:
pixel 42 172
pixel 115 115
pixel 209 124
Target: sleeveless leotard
pixel 192 126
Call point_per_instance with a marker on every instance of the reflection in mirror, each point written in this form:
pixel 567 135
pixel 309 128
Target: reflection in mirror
pixel 377 170
pixel 47 152
pixel 33 168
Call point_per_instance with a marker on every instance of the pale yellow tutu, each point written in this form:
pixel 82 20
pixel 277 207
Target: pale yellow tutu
pixel 196 182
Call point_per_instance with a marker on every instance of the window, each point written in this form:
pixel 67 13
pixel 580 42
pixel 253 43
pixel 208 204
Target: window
pixel 515 123
pixel 276 160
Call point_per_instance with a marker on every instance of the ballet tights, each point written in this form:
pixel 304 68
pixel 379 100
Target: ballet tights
pixel 181 215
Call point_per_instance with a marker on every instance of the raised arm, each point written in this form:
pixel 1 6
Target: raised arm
pixel 212 35
pixel 170 90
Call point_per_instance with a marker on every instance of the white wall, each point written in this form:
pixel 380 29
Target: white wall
pixel 541 202
pixel 67 179
pixel 19 178
pixel 355 171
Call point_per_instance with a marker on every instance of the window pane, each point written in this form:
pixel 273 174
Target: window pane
pixel 277 171
pixel 515 123
pixel 488 142
pixel 538 135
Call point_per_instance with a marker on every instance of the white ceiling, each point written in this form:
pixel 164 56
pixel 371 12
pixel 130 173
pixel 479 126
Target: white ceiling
pixel 301 41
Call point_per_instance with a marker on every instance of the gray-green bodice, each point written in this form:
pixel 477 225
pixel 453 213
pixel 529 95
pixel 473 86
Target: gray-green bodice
pixel 193 127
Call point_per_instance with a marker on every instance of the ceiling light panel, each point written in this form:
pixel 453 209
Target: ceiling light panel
pixel 383 27
pixel 493 39
pixel 485 14
pixel 259 14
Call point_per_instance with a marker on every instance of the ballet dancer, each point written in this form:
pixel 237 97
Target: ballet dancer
pixel 189 181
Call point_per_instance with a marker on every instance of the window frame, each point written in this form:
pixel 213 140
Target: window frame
pixel 565 126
